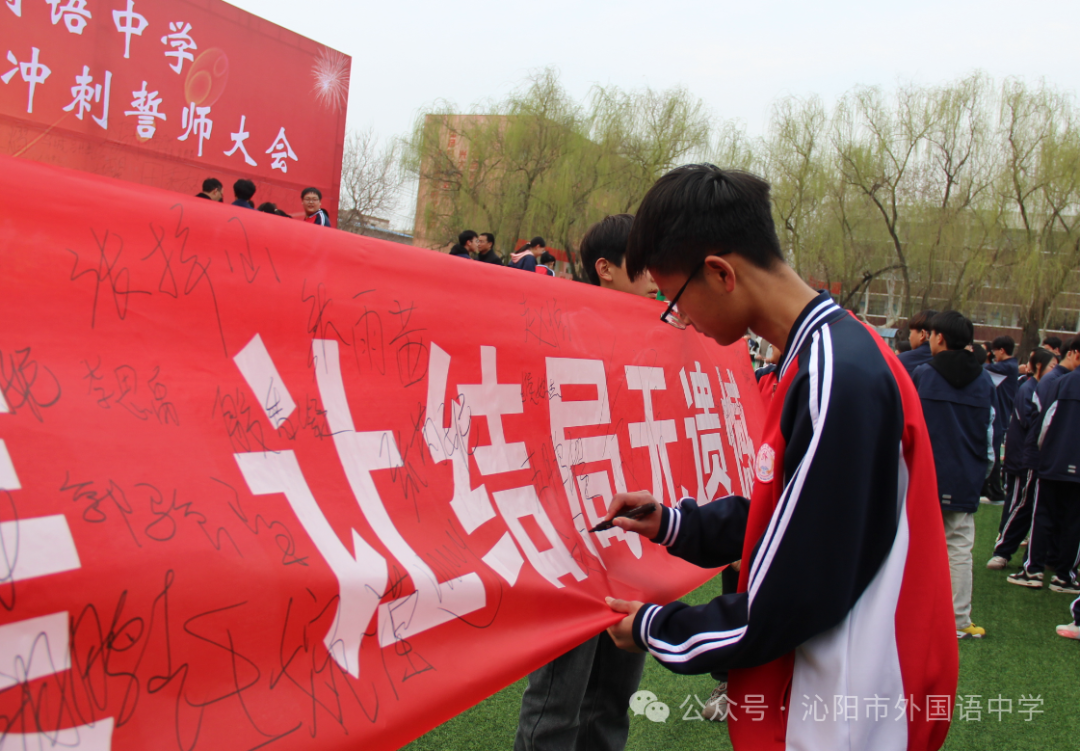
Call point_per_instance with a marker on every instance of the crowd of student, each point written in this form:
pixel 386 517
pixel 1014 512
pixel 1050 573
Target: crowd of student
pixel 1016 425
pixel 532 256
pixel 244 192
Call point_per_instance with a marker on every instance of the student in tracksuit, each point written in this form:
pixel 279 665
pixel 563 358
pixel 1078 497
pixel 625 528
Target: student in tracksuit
pixel 1059 478
pixel 958 402
pixel 1020 465
pixel 844 482
pixel 579 700
pixel 919 337
pixel 1005 372
pixel 1041 545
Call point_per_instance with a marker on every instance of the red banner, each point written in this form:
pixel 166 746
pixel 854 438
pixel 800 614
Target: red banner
pixel 167 93
pixel 267 483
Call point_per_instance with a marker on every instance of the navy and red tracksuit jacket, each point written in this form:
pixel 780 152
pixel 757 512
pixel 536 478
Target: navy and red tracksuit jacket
pixel 844 591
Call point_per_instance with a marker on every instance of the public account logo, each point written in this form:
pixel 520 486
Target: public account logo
pixel 646 702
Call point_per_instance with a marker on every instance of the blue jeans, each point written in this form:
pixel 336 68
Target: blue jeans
pixel 579 702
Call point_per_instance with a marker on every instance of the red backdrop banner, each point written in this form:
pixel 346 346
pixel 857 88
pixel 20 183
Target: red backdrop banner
pixel 265 483
pixel 167 93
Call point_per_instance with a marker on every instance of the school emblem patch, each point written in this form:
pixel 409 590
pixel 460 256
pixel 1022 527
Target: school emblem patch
pixel 766 463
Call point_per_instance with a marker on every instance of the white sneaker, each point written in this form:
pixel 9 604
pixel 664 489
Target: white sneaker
pixel 716 708
pixel 997 563
pixel 1069 631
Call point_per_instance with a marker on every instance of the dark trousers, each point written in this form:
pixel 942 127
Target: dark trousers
pixel 1020 494
pixel 1055 531
pixel 579 702
pixel 992 487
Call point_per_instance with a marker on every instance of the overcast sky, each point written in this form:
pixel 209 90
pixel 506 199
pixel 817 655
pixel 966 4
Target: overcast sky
pixel 737 56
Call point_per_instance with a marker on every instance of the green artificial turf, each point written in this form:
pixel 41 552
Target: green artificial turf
pixel 1020 656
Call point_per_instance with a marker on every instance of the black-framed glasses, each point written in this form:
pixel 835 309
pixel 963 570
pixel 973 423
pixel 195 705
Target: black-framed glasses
pixel 671 315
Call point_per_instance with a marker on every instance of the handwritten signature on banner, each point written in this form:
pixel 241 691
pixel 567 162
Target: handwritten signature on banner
pixel 26 385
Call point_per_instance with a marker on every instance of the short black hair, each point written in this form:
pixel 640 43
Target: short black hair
pixel 211 184
pixel 1006 343
pixel 537 241
pixel 490 237
pixel 465 237
pixel 1072 345
pixel 305 191
pixel 1041 358
pixel 957 330
pixel 699 210
pixel 279 212
pixel 605 239
pixel 921 320
pixel 268 207
pixel 1053 342
pixel 243 189
pixel 980 353
pixel 546 258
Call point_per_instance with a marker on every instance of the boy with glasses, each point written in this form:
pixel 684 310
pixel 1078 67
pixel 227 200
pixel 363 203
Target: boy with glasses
pixel 844 482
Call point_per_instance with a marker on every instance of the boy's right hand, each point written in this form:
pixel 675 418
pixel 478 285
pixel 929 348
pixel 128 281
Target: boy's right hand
pixel 649 526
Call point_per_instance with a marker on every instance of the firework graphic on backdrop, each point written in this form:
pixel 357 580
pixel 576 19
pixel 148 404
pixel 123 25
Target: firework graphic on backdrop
pixel 331 74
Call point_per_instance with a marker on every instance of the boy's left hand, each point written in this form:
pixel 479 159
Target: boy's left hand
pixel 622 633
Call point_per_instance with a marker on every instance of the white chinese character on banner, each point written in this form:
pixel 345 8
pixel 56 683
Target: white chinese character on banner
pixel 238 143
pixel 652 433
pixel 85 93
pixel 473 506
pixel 15 6
pixel 145 106
pixel 738 434
pixel 590 467
pixel 360 569
pixel 181 42
pixel 195 120
pixel 279 150
pixel 129 22
pixel 492 401
pixel 703 429
pixel 74 13
pixel 32 72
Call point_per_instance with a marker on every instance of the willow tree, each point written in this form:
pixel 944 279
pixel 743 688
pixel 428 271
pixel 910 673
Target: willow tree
pixel 1039 184
pixel 647 133
pixel 796 165
pixel 540 163
pixel 877 143
pixel 953 216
